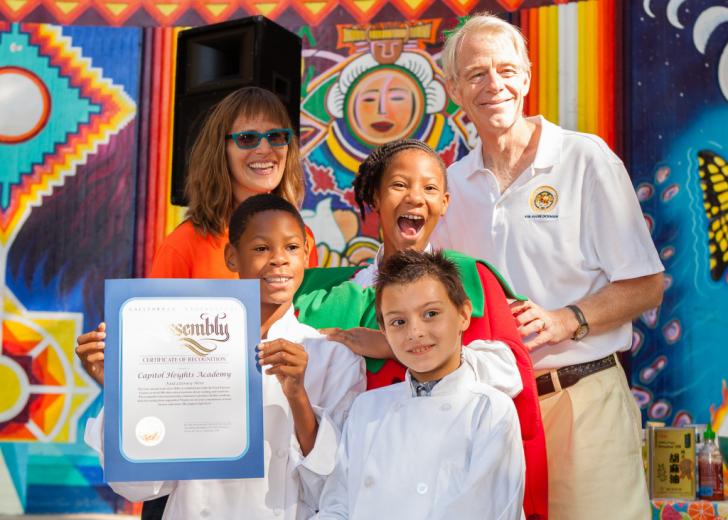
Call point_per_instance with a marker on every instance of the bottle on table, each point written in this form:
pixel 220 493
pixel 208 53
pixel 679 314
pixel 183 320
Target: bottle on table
pixel 710 468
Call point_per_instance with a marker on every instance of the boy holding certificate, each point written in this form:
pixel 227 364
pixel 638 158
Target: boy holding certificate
pixel 456 441
pixel 308 384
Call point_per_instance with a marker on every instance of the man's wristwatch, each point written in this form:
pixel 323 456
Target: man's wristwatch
pixel 583 329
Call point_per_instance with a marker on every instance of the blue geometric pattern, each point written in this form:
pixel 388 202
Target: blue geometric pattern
pixel 68 111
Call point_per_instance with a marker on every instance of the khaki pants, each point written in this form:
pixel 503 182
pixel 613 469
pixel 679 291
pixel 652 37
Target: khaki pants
pixel 594 451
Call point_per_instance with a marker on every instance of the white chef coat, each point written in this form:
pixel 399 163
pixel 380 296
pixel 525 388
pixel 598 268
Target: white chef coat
pixel 456 454
pixel 292 485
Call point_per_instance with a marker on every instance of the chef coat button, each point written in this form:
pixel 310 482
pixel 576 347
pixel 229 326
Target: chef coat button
pixel 280 453
pixel 205 512
pixel 277 512
pixel 421 488
pixel 368 482
pixel 445 407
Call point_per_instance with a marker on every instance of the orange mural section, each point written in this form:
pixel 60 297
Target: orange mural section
pixel 163 13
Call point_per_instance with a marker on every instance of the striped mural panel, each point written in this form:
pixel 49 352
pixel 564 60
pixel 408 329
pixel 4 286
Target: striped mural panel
pixel 156 216
pixel 576 73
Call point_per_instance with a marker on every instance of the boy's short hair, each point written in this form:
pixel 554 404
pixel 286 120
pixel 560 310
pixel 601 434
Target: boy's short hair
pixel 257 204
pixel 408 266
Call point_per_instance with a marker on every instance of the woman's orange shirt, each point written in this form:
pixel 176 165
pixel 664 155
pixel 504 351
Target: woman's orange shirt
pixel 185 253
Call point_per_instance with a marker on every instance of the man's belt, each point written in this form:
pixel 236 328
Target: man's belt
pixel 570 375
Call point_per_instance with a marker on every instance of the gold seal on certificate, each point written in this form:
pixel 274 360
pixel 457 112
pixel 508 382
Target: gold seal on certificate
pixel 184 372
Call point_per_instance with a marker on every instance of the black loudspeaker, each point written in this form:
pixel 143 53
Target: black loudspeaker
pixel 215 60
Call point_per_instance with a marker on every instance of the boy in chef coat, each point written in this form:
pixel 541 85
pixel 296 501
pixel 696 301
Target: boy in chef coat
pixel 308 385
pixel 455 439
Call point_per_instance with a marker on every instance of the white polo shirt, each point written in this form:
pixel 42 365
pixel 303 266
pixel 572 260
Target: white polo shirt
pixel 567 226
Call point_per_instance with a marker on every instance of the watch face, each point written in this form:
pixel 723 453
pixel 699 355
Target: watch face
pixel 581 332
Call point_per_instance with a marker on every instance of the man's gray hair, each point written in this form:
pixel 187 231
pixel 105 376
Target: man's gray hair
pixel 484 22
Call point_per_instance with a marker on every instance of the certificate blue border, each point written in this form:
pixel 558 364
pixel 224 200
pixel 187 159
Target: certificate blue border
pixel 118 468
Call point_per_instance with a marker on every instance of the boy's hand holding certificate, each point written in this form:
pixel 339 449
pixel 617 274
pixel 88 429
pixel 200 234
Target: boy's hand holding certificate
pixel 183 392
pixel 287 361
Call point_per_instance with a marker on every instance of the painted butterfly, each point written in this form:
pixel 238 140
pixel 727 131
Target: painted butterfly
pixel 713 171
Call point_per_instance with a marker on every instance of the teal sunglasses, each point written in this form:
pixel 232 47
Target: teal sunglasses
pixel 251 139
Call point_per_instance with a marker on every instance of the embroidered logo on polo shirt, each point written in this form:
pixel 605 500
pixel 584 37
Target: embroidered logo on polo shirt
pixel 543 199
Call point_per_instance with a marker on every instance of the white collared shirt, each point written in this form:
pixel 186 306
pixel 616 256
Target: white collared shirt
pixel 567 226
pixel 292 485
pixel 456 453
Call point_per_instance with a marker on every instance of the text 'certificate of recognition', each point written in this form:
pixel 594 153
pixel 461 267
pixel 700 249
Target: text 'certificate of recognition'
pixel 184 383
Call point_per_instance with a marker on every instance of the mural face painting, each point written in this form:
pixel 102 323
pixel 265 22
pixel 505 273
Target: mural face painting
pixel 384 105
pixel 385 85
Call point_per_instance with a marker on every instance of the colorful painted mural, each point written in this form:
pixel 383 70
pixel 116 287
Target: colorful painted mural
pixel 383 86
pixel 66 207
pixel 576 51
pixel 158 13
pixel 89 149
pixel 679 59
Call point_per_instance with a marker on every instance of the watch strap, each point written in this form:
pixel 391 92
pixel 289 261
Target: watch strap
pixel 579 315
pixel 583 329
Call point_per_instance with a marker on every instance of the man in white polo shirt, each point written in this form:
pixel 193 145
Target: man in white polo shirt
pixel 555 212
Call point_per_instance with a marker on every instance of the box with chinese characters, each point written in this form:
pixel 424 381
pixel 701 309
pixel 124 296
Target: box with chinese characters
pixel 672 457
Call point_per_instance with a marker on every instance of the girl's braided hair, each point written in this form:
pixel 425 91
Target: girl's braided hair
pixel 371 170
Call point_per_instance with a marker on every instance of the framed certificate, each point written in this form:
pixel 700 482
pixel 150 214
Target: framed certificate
pixel 183 394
